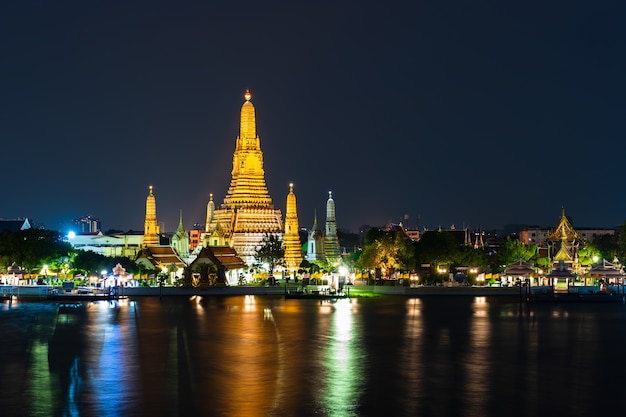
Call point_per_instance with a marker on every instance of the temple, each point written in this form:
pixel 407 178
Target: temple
pixel 324 246
pixel 563 243
pixel 151 229
pixel 315 242
pixel 247 213
pixel 291 241
pixel 180 240
pixel 331 240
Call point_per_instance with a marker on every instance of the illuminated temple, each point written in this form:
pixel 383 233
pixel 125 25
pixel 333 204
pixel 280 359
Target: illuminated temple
pixel 291 241
pixel 151 229
pixel 247 213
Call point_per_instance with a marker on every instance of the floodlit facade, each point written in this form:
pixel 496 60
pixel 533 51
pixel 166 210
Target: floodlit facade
pixel 247 213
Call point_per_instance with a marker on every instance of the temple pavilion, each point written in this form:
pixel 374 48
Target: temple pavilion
pixel 561 246
pixel 247 213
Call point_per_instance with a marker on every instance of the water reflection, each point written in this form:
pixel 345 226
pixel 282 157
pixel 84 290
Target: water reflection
pixel 264 356
pixel 342 363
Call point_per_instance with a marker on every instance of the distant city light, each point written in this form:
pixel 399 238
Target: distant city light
pixel 71 235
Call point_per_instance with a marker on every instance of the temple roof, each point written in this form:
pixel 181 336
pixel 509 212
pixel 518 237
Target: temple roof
pixel 221 255
pixel 564 230
pixel 160 255
pixel 606 269
pixel 520 268
pixel 563 254
pixel 14 225
pixel 561 271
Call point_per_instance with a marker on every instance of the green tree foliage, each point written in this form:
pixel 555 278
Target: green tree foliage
pixel 271 252
pixel 388 250
pixel 589 254
pixel 469 256
pixel 90 263
pixel 511 250
pixel 438 248
pixel 607 246
pixel 354 260
pixel 32 248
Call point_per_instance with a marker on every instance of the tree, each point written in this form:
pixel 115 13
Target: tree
pixel 438 248
pixel 388 250
pixel 32 248
pixel 512 250
pixel 271 252
pixel 90 262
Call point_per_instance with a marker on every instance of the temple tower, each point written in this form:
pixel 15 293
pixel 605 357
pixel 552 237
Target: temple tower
pixel 315 242
pixel 291 241
pixel 247 213
pixel 331 241
pixel 210 213
pixel 151 229
pixel 180 240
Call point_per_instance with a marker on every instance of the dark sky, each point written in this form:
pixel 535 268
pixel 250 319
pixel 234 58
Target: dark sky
pixel 475 113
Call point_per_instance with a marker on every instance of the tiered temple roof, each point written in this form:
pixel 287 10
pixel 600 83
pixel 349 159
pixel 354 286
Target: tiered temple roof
pixel 247 213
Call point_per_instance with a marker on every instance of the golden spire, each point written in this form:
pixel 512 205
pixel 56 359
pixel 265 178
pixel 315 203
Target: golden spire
pixel 247 127
pixel 291 240
pixel 151 229
pixel 210 213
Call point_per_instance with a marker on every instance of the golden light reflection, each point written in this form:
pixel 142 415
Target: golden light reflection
pixel 249 303
pixel 414 307
pixel 481 308
pixel 198 304
pixel 411 354
pixel 477 363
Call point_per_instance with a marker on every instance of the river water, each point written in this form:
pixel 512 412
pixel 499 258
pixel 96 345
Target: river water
pixel 265 356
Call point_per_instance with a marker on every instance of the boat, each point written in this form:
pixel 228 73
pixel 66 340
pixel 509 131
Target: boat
pixel 71 308
pixel 577 298
pixel 315 294
pixel 577 294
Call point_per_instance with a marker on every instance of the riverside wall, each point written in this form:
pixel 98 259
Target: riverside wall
pixel 353 290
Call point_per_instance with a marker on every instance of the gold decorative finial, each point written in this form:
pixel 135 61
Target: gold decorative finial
pixel 291 187
pixel 247 95
pixel 150 187
pixel 211 197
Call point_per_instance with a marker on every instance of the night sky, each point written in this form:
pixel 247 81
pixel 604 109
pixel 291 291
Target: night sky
pixel 472 113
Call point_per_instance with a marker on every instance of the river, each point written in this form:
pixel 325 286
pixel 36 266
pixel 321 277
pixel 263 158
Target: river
pixel 255 356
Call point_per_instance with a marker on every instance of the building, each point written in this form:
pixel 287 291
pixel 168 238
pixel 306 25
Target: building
pixel 315 242
pixel 88 224
pixel 151 229
pixel 535 235
pixel 162 258
pixel 325 245
pixel 214 266
pixel 291 240
pixel 180 240
pixel 14 225
pixel 118 244
pixel 247 213
pixel 332 251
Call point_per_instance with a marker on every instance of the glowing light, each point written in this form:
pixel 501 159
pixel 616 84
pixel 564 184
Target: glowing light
pixel 71 235
pixel 343 270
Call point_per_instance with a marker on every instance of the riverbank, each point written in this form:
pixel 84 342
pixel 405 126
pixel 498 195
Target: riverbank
pixel 351 290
